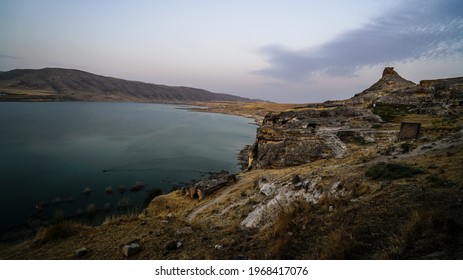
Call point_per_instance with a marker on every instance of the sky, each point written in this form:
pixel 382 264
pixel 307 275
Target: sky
pixel 283 51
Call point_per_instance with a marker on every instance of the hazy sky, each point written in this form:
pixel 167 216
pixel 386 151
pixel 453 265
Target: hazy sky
pixel 284 51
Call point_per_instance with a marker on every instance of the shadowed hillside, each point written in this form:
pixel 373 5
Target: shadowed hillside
pixel 56 84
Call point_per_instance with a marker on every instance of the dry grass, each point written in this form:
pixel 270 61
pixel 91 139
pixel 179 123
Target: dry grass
pixel 391 171
pixel 280 234
pixel 338 244
pixel 28 92
pixel 58 231
pixel 424 232
pixel 118 218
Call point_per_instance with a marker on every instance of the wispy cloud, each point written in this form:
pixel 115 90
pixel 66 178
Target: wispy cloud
pixel 418 29
pixel 10 56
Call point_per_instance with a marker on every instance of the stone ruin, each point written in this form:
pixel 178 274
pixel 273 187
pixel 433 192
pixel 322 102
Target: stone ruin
pixel 215 181
pixel 409 130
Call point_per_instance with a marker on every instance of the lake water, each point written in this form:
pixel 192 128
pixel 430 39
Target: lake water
pixel 50 152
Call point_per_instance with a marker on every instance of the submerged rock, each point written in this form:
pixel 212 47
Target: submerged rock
pixel 137 186
pixel 121 189
pixel 87 191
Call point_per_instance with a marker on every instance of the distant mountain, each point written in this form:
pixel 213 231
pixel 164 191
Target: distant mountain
pixel 57 84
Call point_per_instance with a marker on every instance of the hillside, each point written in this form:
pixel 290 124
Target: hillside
pixel 377 176
pixel 56 84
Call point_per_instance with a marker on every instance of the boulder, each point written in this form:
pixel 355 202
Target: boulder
pixel 132 249
pixel 296 179
pixel 173 245
pixel 267 188
pixel 81 252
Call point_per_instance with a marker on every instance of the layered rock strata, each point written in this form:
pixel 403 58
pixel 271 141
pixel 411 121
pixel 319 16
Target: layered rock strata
pixel 297 137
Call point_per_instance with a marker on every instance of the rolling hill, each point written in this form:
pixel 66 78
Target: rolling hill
pixel 57 84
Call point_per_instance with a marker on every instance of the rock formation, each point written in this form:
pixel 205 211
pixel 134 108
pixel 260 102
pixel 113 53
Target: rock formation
pixel 391 81
pixel 297 137
pixel 393 89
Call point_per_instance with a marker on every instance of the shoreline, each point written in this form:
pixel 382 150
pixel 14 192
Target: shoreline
pixel 251 110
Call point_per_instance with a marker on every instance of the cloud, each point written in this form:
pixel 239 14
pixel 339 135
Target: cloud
pixel 415 30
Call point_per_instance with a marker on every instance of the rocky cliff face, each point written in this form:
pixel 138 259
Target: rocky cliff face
pixel 297 137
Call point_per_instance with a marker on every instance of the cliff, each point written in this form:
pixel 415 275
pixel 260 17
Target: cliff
pixel 293 138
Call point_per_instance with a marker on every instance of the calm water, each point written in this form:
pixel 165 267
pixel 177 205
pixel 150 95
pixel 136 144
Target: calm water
pixel 52 151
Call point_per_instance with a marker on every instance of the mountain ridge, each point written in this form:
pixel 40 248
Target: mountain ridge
pixel 59 84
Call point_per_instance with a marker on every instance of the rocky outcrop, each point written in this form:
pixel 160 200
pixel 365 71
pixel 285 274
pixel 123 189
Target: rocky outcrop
pixel 390 81
pixel 278 196
pixel 301 136
pixel 393 89
pixel 451 89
